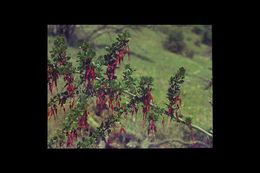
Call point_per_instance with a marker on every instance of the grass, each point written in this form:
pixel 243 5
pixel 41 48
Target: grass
pixel 149 58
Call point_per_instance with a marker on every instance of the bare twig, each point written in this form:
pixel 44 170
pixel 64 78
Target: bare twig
pixel 179 141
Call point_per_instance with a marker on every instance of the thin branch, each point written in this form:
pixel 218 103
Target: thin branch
pixel 180 141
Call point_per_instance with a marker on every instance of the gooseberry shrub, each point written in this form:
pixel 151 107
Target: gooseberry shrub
pixel 95 78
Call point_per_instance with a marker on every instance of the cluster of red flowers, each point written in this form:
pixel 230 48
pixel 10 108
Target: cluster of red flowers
pixel 176 101
pixel 111 68
pixel 146 100
pixel 53 76
pixel 111 97
pixel 82 122
pixel 120 55
pixel 112 65
pixel 90 74
pixel 71 136
pixel 70 89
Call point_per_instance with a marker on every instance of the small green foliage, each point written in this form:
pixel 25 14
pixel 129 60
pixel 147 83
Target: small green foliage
pixel 155 113
pixel 145 83
pixel 175 84
pixel 128 80
pixel 125 36
pixel 188 120
pixel 59 48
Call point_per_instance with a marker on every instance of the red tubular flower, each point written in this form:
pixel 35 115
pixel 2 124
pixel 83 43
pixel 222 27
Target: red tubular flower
pixel 170 111
pixel 112 65
pixel 177 101
pixel 120 55
pixel 152 127
pixel 101 101
pixel 149 95
pixel 71 136
pixel 90 74
pixel 82 122
pixel 70 89
pixel 111 99
pixel 144 110
pixel 147 99
pixel 111 68
pixel 110 102
pixel 50 113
